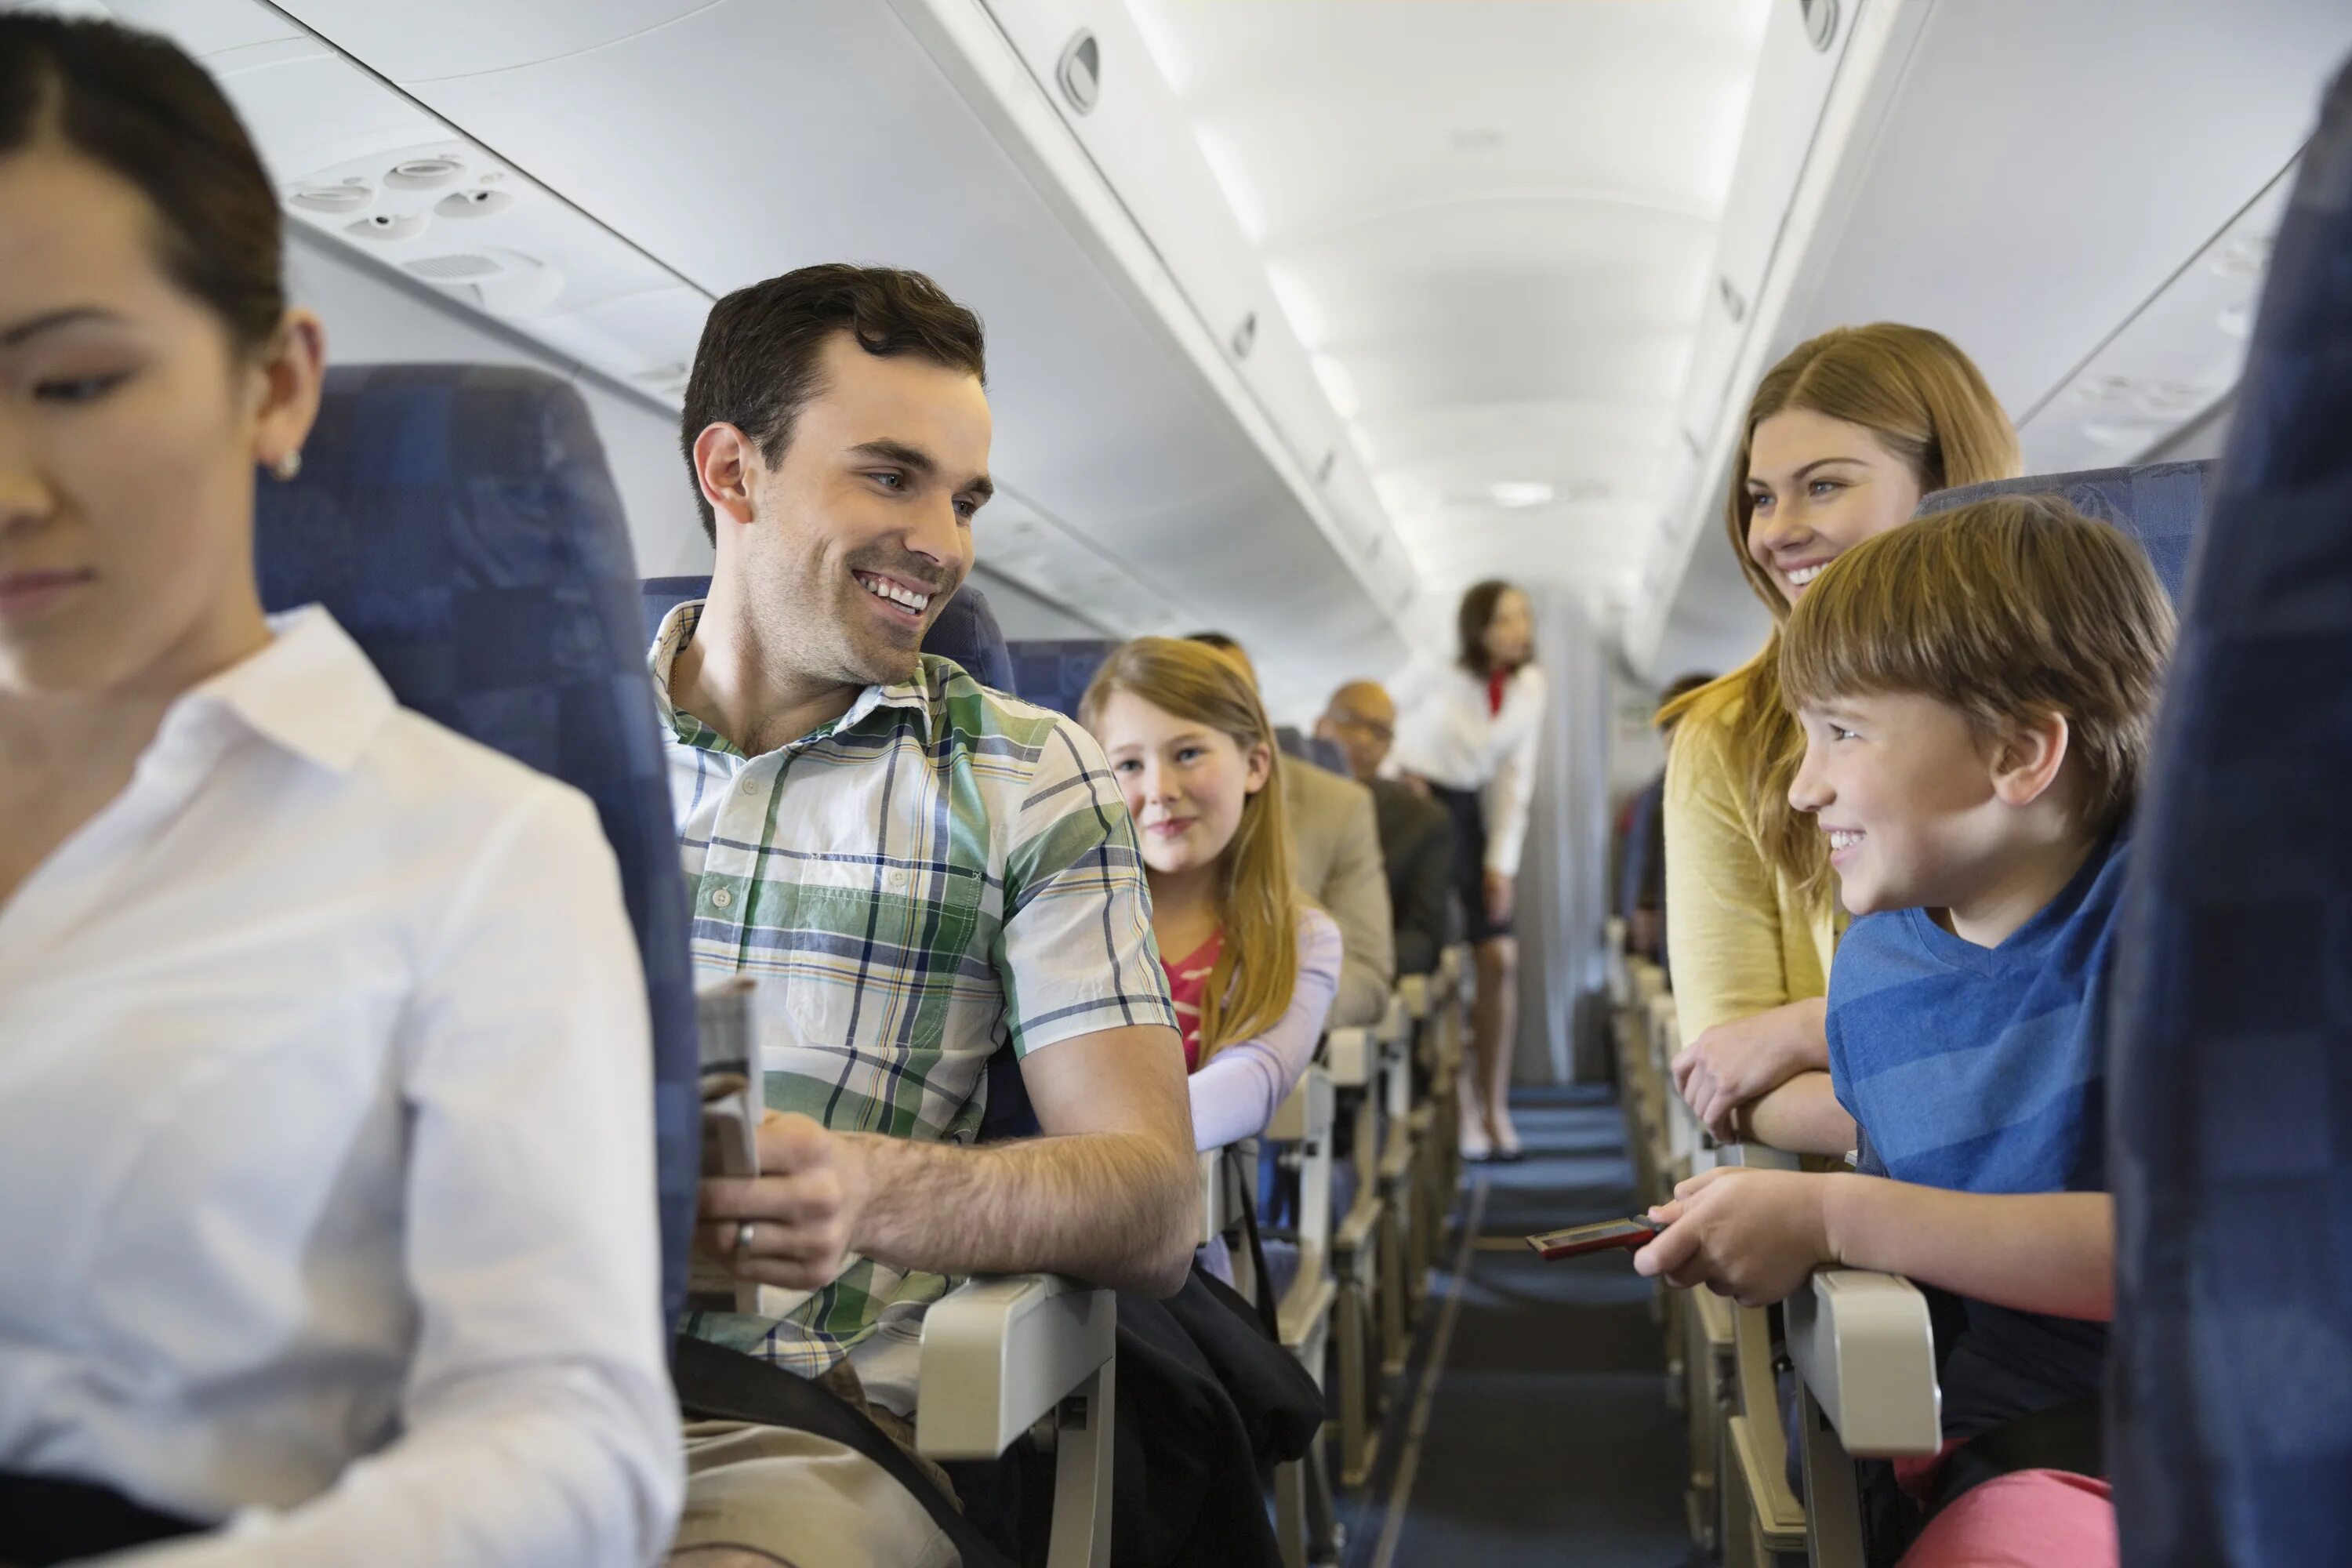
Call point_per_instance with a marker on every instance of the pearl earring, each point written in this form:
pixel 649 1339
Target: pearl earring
pixel 289 465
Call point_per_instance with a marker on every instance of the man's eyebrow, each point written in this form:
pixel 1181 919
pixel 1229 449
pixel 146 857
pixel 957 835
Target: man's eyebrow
pixel 898 452
pixel 73 315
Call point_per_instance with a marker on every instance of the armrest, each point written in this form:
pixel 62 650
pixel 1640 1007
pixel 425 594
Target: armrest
pixel 1349 1055
pixel 1216 1213
pixel 1000 1354
pixel 1863 1343
pixel 1413 991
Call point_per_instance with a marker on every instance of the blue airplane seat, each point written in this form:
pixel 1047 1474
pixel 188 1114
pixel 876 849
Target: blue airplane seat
pixel 1325 753
pixel 966 630
pixel 460 523
pixel 2161 504
pixel 1054 672
pixel 2230 1416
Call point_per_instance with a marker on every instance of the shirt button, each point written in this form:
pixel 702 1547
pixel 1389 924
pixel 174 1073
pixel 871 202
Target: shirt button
pixel 750 785
pixel 898 880
pixel 721 898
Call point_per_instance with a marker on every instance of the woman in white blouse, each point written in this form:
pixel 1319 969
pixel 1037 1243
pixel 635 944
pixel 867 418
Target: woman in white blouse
pixel 1466 729
pixel 326 1176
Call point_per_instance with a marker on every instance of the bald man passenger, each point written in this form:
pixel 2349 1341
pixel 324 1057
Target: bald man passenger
pixel 1416 839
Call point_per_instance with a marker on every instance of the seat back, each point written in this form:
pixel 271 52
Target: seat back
pixel 966 630
pixel 2230 1078
pixel 1054 673
pixel 2161 504
pixel 460 523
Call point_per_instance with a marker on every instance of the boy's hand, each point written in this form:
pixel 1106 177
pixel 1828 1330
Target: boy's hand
pixel 795 1225
pixel 1753 1235
pixel 1741 1062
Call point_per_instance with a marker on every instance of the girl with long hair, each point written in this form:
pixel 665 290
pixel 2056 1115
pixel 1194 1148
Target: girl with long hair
pixel 1842 439
pixel 1252 965
pixel 1467 732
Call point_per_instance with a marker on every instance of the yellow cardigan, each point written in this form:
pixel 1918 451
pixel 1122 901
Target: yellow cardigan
pixel 1743 938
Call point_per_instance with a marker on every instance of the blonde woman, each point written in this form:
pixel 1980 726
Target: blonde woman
pixel 1843 438
pixel 1252 966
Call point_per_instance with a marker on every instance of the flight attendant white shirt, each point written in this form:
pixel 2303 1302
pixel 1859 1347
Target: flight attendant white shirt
pixel 326 1171
pixel 1449 732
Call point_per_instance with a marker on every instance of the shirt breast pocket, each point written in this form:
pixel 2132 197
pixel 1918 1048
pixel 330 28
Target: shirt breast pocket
pixel 872 972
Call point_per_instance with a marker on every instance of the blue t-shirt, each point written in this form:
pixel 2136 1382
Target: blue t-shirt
pixel 1984 1070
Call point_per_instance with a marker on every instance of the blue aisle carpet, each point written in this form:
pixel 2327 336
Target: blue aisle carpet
pixel 1548 1440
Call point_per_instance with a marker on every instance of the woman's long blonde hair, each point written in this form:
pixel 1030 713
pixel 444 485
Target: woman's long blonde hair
pixel 1927 404
pixel 1257 905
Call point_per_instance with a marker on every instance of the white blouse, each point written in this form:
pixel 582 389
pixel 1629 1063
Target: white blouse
pixel 1447 733
pixel 326 1164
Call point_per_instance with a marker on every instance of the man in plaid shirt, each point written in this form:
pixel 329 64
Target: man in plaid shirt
pixel 917 870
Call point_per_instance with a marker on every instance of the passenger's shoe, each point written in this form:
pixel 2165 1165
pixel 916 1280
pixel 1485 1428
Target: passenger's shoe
pixel 1506 1145
pixel 1476 1148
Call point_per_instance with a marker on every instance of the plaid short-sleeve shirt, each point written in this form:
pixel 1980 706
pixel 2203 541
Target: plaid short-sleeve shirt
pixel 942 869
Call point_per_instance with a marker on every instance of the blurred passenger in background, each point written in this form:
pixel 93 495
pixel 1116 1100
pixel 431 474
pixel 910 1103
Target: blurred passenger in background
pixel 1468 735
pixel 1336 845
pixel 1416 837
pixel 326 1133
pixel 1252 965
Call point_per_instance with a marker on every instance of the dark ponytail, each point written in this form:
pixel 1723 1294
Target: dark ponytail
pixel 137 106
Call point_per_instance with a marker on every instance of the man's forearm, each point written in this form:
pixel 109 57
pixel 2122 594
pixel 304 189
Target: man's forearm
pixel 1802 1116
pixel 2037 1252
pixel 1115 1209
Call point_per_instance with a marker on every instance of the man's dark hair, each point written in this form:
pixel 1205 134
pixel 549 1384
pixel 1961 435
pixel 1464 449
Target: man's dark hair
pixel 137 106
pixel 1217 640
pixel 756 366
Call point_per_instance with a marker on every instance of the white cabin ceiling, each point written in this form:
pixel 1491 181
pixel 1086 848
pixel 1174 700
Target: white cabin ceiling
pixel 1491 223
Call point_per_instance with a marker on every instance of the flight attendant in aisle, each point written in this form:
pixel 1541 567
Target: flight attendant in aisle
pixel 1466 729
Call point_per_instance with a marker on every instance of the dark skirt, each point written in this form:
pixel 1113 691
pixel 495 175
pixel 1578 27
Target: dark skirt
pixel 1468 813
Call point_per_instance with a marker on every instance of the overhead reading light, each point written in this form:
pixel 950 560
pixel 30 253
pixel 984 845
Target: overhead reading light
pixel 1820 23
pixel 1080 71
pixel 351 197
pixel 424 173
pixel 1515 493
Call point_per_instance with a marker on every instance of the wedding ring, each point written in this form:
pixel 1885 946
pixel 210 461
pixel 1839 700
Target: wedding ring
pixel 743 1236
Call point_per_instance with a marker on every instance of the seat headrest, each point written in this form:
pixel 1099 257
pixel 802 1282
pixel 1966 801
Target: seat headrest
pixel 1054 672
pixel 2161 504
pixel 458 520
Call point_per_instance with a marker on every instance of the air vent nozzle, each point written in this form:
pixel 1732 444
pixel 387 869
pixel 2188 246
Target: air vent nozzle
pixel 1080 72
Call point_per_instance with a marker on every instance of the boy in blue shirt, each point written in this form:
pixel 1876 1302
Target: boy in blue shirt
pixel 1977 691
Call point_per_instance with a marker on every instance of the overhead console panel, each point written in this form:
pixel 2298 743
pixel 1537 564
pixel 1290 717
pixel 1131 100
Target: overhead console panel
pixel 595 173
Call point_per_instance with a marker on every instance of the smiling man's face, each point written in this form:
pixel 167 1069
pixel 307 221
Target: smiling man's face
pixel 863 529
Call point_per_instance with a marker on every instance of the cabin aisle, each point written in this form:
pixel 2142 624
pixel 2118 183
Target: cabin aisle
pixel 1547 1439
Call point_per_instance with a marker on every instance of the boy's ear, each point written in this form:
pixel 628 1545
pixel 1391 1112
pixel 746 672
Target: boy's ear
pixel 2027 759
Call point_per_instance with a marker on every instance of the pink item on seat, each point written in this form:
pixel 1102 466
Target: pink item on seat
pixel 2029 1518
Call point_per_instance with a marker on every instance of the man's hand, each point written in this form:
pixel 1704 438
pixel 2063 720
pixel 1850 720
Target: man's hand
pixel 797 1224
pixel 1754 1235
pixel 1499 895
pixel 1735 1063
